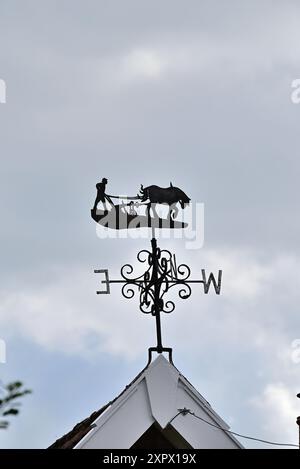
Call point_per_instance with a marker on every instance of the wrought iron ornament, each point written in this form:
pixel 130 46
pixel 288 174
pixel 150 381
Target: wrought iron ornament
pixel 134 212
pixel 162 273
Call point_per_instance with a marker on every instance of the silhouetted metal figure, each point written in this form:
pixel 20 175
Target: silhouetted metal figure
pixel 130 215
pixel 169 195
pixel 101 196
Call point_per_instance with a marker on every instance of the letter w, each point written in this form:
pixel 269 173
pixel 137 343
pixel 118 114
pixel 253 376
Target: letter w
pixel 211 279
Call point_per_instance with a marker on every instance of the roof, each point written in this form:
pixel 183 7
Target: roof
pixel 149 406
pixel 70 439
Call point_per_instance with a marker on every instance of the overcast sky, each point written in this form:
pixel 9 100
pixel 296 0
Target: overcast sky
pixel 195 92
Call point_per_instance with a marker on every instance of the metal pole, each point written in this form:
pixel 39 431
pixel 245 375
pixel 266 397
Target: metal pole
pixel 153 231
pixel 298 422
pixel 156 295
pixel 158 330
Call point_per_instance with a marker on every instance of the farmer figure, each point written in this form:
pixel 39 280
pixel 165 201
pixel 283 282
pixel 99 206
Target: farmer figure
pixel 101 196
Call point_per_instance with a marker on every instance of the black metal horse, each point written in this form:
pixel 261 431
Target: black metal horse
pixel 168 196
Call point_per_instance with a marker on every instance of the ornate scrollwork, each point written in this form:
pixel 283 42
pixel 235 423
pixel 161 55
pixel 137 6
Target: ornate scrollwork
pixel 127 292
pixel 184 271
pixel 161 275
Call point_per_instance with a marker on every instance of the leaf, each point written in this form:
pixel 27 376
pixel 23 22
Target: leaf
pixel 11 411
pixel 13 386
pixel 14 395
pixel 12 392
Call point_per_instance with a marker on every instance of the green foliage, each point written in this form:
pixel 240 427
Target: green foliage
pixel 9 404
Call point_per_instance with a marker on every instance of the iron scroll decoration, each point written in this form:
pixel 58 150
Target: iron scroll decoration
pixel 166 277
pixel 161 274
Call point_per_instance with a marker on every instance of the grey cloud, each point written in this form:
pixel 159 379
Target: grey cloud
pixel 148 92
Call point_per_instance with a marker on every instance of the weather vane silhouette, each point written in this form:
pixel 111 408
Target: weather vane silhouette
pixel 162 273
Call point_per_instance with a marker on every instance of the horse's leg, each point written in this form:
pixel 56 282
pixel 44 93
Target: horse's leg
pixel 148 210
pixel 155 214
pixel 175 211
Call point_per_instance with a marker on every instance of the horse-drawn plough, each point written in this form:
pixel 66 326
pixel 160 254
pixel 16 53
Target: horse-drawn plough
pixel 140 211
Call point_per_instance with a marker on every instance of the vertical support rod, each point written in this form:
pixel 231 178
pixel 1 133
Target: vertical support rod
pixel 298 421
pixel 156 295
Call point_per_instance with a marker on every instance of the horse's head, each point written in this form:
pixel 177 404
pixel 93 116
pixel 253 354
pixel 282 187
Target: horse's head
pixel 184 201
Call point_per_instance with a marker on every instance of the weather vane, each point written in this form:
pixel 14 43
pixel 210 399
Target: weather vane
pixel 162 272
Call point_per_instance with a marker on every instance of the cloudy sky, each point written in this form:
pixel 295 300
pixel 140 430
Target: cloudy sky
pixel 195 92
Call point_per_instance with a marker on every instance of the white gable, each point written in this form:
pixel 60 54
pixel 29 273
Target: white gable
pixel 162 382
pixel 156 396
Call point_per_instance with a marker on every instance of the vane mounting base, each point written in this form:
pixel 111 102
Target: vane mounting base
pixel 159 350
